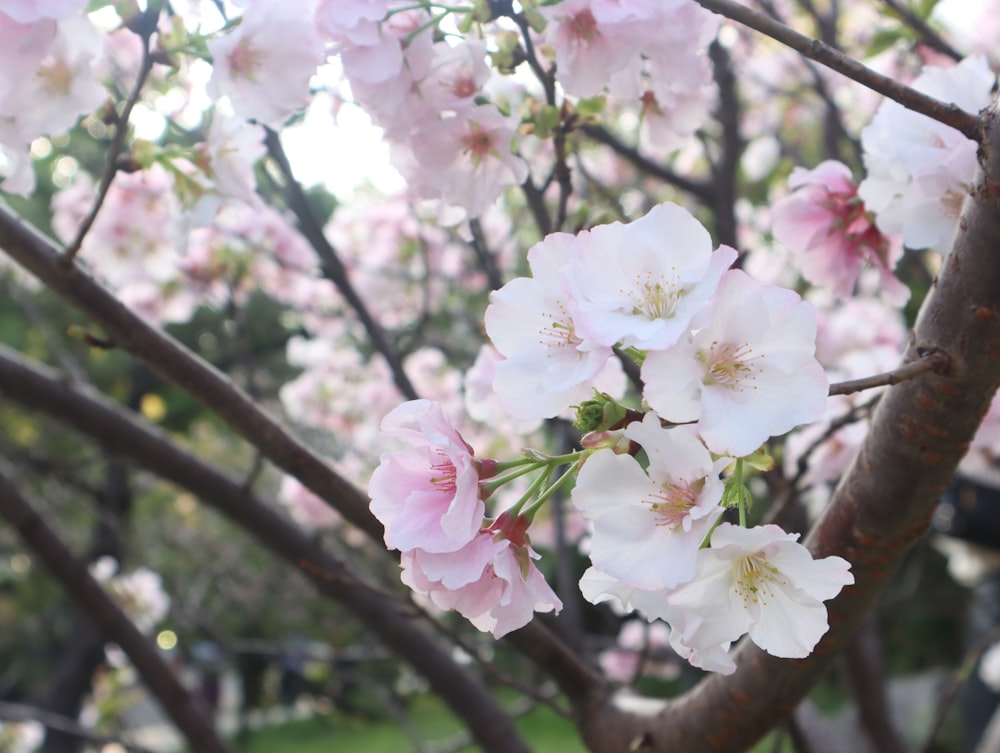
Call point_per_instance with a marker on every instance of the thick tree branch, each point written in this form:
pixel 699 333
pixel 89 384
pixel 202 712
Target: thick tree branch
pixel 920 431
pixel 74 576
pixel 391 619
pixel 949 114
pixel 175 363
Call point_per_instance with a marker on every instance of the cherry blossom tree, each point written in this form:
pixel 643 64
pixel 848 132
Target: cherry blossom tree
pixel 682 314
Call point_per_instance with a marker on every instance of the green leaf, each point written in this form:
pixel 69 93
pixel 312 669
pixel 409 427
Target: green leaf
pixel 881 41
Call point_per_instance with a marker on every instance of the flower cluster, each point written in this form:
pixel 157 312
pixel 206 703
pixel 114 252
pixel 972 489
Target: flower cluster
pixel 919 169
pixel 726 363
pixel 717 348
pixel 429 497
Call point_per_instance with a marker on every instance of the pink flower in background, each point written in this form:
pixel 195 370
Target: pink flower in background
pixel 464 159
pixel 29 11
pixel 492 580
pixel 427 496
pixel 748 371
pixel 826 224
pixel 49 81
pixel 265 63
pixel 649 524
pixel 136 237
pixel 762 582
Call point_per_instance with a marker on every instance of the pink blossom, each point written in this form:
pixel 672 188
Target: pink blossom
pixel 760 581
pixel 29 11
pixel 748 371
pixel 136 236
pixel 595 39
pixel 427 496
pixel 598 587
pixel 492 580
pixel 826 224
pixel 648 524
pixel 265 63
pixel 50 76
pixel 464 159
pixel 227 156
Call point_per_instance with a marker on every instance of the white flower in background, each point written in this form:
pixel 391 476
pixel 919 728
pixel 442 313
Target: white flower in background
pixel 989 667
pixel 919 169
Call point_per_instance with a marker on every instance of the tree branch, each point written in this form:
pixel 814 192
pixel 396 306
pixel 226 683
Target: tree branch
pixel 929 37
pixel 704 192
pixel 935 360
pixel 17 712
pixel 390 618
pixel 75 578
pixel 949 114
pixel 175 363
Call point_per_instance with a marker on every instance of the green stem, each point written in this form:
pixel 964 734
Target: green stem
pixel 548 493
pixel 741 496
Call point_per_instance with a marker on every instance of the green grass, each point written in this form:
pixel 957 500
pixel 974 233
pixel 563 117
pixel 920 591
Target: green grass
pixel 545 731
pixel 542 729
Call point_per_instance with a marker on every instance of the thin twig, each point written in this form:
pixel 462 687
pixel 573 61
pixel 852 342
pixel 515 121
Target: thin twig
pixel 949 114
pixel 929 37
pixel 146 28
pixel 704 192
pixel 333 268
pixel 18 712
pixel 934 360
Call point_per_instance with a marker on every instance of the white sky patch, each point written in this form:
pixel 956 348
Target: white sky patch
pixel 960 16
pixel 343 153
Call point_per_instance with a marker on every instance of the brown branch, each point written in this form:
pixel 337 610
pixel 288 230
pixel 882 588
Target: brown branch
pixel 930 360
pixel 74 576
pixel 145 26
pixel 18 712
pixel 387 616
pixel 929 37
pixel 704 192
pixel 178 365
pixel 949 114
pixel 333 268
